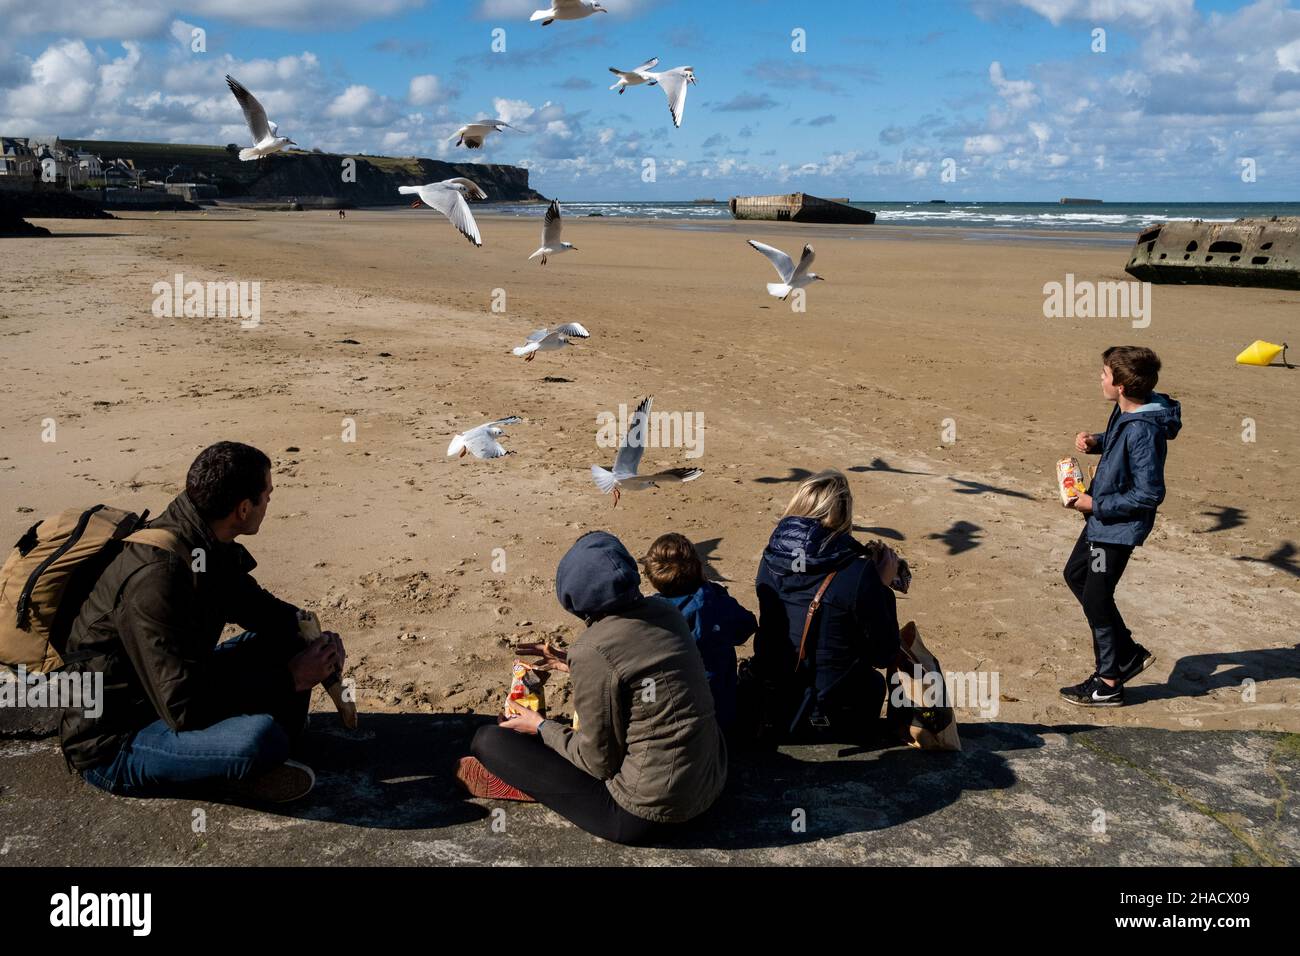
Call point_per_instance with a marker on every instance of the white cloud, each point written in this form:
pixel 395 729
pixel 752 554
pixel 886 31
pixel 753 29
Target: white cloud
pixel 1110 11
pixel 140 19
pixel 1019 94
pixel 984 145
pixel 424 90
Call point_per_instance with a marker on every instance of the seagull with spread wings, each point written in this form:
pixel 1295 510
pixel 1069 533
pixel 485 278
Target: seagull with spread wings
pixel 482 441
pixel 624 475
pixel 552 226
pixel 675 83
pixel 567 10
pixel 472 135
pixel 635 77
pixel 266 138
pixel 548 340
pixel 792 276
pixel 448 197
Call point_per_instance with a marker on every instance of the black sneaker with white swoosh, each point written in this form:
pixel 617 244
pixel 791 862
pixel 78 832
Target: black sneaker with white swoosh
pixel 1094 692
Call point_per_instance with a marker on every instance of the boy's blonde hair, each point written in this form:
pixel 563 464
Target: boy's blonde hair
pixel 825 496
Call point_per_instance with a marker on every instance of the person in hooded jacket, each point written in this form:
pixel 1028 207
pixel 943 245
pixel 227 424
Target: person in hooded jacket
pixel 1127 488
pixel 648 753
pixel 836 689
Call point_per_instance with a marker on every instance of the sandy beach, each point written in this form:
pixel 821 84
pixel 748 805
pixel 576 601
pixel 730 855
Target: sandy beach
pixel 387 319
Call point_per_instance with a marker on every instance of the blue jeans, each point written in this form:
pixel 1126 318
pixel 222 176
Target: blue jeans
pixel 256 737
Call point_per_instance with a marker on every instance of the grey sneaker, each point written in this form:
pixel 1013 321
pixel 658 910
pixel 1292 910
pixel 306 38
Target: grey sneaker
pixel 283 784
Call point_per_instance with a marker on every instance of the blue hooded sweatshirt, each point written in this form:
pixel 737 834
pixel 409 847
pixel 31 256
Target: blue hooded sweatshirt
pixel 720 624
pixel 1130 481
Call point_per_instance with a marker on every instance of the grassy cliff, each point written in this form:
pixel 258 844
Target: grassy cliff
pixel 306 174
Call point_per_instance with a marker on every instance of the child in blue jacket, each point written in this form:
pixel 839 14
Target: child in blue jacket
pixel 718 621
pixel 1128 487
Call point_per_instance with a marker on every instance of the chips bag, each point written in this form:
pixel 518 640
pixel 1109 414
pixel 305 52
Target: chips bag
pixel 526 687
pixel 1070 480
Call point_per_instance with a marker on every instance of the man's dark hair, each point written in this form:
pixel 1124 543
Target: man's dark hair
pixel 225 474
pixel 1133 366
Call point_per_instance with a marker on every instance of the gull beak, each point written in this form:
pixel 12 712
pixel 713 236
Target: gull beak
pixel 821 278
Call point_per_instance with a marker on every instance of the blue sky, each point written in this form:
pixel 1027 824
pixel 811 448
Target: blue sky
pixel 1008 95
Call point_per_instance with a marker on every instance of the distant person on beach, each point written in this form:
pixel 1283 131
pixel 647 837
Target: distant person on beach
pixel 343 214
pixel 648 753
pixel 717 620
pixel 1128 487
pixel 819 671
pixel 182 713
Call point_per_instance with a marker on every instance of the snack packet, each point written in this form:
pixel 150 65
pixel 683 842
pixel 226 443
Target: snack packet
pixel 1070 480
pixel 526 687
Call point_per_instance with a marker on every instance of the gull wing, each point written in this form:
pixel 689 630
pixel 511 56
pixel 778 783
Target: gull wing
pixel 783 263
pixel 674 84
pixel 483 445
pixel 675 476
pixel 572 330
pixel 474 189
pixel 552 225
pixel 452 204
pixel 649 64
pixel 254 115
pixel 805 263
pixel 628 459
pixel 539 335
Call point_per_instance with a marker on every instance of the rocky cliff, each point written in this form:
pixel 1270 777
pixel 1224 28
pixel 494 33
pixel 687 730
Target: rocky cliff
pixel 308 176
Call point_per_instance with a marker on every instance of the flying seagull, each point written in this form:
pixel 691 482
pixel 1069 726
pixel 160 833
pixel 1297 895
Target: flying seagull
pixel 472 135
pixel 482 441
pixel 567 10
pixel 635 77
pixel 548 340
pixel 448 197
pixel 551 228
pixel 265 138
pixel 792 276
pixel 628 460
pixel 675 82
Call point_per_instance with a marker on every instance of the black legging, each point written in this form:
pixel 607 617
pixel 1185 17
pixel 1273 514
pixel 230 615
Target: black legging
pixel 523 761
pixel 1093 572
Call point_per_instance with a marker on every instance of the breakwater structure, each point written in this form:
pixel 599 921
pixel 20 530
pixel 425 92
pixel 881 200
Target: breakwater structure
pixel 1247 252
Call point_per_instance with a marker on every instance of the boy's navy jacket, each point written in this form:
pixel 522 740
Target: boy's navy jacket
pixel 1130 481
pixel 858 619
pixel 720 624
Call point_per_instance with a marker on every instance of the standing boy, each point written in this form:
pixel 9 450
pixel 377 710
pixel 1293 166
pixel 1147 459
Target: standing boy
pixel 1128 487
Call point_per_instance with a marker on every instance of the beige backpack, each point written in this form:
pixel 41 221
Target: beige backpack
pixel 52 570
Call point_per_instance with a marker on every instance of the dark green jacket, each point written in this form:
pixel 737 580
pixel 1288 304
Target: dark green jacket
pixel 150 627
pixel 646 722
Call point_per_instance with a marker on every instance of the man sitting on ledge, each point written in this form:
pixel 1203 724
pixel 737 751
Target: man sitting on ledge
pixel 183 713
